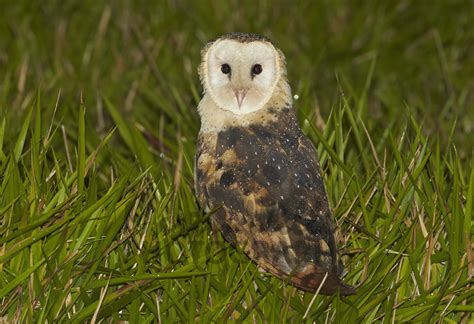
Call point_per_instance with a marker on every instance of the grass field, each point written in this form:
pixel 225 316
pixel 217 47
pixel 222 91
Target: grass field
pixel 97 134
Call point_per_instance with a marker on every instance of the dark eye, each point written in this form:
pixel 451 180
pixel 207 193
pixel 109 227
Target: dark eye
pixel 225 68
pixel 257 69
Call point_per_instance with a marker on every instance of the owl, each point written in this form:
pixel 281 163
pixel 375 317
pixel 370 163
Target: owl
pixel 256 169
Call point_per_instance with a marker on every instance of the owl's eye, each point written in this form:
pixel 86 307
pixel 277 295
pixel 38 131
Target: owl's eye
pixel 257 69
pixel 225 68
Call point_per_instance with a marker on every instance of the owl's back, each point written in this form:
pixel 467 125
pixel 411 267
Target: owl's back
pixel 265 181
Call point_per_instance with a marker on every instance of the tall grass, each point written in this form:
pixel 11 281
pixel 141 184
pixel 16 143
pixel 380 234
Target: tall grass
pixel 97 133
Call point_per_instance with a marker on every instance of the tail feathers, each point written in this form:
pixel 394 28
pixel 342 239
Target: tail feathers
pixel 311 278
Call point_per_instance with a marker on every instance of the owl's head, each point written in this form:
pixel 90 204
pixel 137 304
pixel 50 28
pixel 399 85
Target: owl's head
pixel 241 72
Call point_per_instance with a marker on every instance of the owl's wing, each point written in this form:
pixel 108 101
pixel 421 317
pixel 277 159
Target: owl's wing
pixel 274 204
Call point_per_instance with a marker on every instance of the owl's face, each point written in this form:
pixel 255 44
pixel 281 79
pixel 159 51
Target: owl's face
pixel 240 77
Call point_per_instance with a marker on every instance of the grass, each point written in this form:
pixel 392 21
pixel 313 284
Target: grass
pixel 97 133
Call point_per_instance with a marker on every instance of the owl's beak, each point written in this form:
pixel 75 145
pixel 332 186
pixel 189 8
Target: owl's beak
pixel 240 95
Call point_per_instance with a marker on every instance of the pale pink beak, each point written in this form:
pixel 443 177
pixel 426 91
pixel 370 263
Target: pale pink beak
pixel 240 95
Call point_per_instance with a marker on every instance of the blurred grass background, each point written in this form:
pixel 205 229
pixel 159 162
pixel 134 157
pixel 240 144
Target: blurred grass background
pixel 97 140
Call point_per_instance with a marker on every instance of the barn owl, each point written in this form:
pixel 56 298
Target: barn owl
pixel 258 171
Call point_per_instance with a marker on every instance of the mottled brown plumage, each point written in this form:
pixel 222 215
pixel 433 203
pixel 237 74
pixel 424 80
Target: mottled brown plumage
pixel 262 175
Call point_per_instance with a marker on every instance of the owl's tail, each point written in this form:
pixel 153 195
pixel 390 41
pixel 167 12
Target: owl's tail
pixel 312 277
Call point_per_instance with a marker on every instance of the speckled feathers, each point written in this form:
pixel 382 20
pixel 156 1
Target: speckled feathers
pixel 262 175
